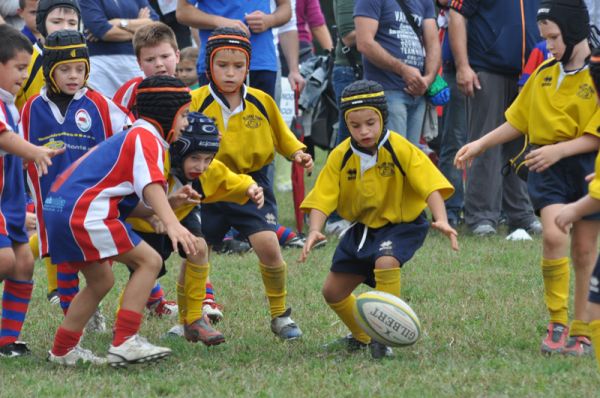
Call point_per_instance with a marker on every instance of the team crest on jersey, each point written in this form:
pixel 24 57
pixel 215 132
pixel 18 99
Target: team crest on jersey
pixel 386 247
pixel 83 120
pixel 270 217
pixel 252 121
pixel 386 169
pixel 351 174
pixel 585 91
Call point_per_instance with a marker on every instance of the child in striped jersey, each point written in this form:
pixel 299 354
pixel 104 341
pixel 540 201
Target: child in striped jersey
pixel 16 260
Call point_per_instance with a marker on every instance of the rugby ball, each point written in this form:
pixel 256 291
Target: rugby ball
pixel 387 319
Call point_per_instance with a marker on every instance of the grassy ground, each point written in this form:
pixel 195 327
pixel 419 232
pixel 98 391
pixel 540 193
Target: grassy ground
pixel 481 311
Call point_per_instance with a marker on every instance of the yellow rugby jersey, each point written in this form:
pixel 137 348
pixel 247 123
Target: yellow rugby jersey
pixel 216 184
pixel 34 83
pixel 250 136
pixel 594 187
pixel 549 113
pixel 393 190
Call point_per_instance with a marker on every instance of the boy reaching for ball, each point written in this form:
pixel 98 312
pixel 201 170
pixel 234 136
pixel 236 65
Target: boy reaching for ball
pixel 383 183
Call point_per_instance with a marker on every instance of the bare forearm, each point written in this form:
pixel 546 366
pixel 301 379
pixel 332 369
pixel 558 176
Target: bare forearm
pixel 500 135
pixel 316 220
pixel 14 144
pixel 457 28
pixel 586 206
pixel 378 55
pixel 282 13
pixel 350 39
pixel 433 50
pixel 156 198
pixel 435 202
pixel 189 15
pixel 290 48
pixel 321 33
pixel 584 144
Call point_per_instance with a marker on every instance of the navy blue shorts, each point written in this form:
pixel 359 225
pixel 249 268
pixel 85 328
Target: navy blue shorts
pixel 162 243
pixel 562 183
pixel 397 240
pixel 218 218
pixel 594 296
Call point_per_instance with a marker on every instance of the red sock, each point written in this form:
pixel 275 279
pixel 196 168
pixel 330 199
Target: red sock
pixel 64 341
pixel 127 324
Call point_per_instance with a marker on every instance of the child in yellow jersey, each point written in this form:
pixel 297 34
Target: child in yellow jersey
pixel 252 130
pixel 193 166
pixel 589 204
pixel 557 111
pixel 387 229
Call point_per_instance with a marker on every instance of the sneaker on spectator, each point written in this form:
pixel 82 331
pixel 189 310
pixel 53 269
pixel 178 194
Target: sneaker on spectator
pixel 16 349
pixel 337 227
pixel 556 337
pixel 213 310
pixel 135 349
pixel 348 343
pixel 284 327
pixel 97 323
pixel 484 230
pixel 165 308
pixel 202 330
pixel 53 297
pixel 535 228
pixel 77 354
pixel 578 346
pixel 379 350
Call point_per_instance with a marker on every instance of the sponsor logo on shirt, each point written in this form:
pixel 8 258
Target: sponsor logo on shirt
pixel 83 120
pixel 351 174
pixel 547 82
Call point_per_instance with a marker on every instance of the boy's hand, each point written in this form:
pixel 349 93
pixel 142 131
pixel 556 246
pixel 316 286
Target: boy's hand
pixel 305 160
pixel 590 177
pixel 566 217
pixel 311 240
pixel 447 230
pixel 180 235
pixel 540 159
pixel 184 196
pixel 30 221
pixel 234 23
pixel 465 155
pixel 258 21
pixel 42 157
pixel 144 13
pixel 255 193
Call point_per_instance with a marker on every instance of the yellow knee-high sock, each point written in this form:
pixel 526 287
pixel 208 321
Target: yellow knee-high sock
pixel 274 280
pixel 579 328
pixel 344 309
pixel 595 334
pixel 388 280
pixel 52 274
pixel 556 288
pixel 195 289
pixel 181 304
pixel 34 245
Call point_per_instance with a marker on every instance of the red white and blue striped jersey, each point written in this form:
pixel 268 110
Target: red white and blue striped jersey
pixel 88 203
pixel 127 93
pixel 12 185
pixel 89 119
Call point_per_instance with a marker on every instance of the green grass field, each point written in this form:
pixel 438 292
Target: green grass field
pixel 481 310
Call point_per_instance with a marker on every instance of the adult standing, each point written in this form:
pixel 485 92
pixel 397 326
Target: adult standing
pixel 110 25
pixel 252 17
pixel 404 61
pixel 489 56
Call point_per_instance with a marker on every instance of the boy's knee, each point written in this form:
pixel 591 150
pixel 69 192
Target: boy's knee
pixel 152 263
pixel 329 294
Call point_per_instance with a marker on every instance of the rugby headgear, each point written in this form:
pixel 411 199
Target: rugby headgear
pixel 595 68
pixel 572 18
pixel 226 39
pixel 201 135
pixel 365 94
pixel 61 47
pixel 159 99
pixel 44 8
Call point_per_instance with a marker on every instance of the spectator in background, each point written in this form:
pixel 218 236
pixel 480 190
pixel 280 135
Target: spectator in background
pixel 166 11
pixel 9 12
pixel 489 57
pixel 27 10
pixel 593 7
pixel 253 18
pixel 186 68
pixel 403 61
pixel 109 27
pixel 453 127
